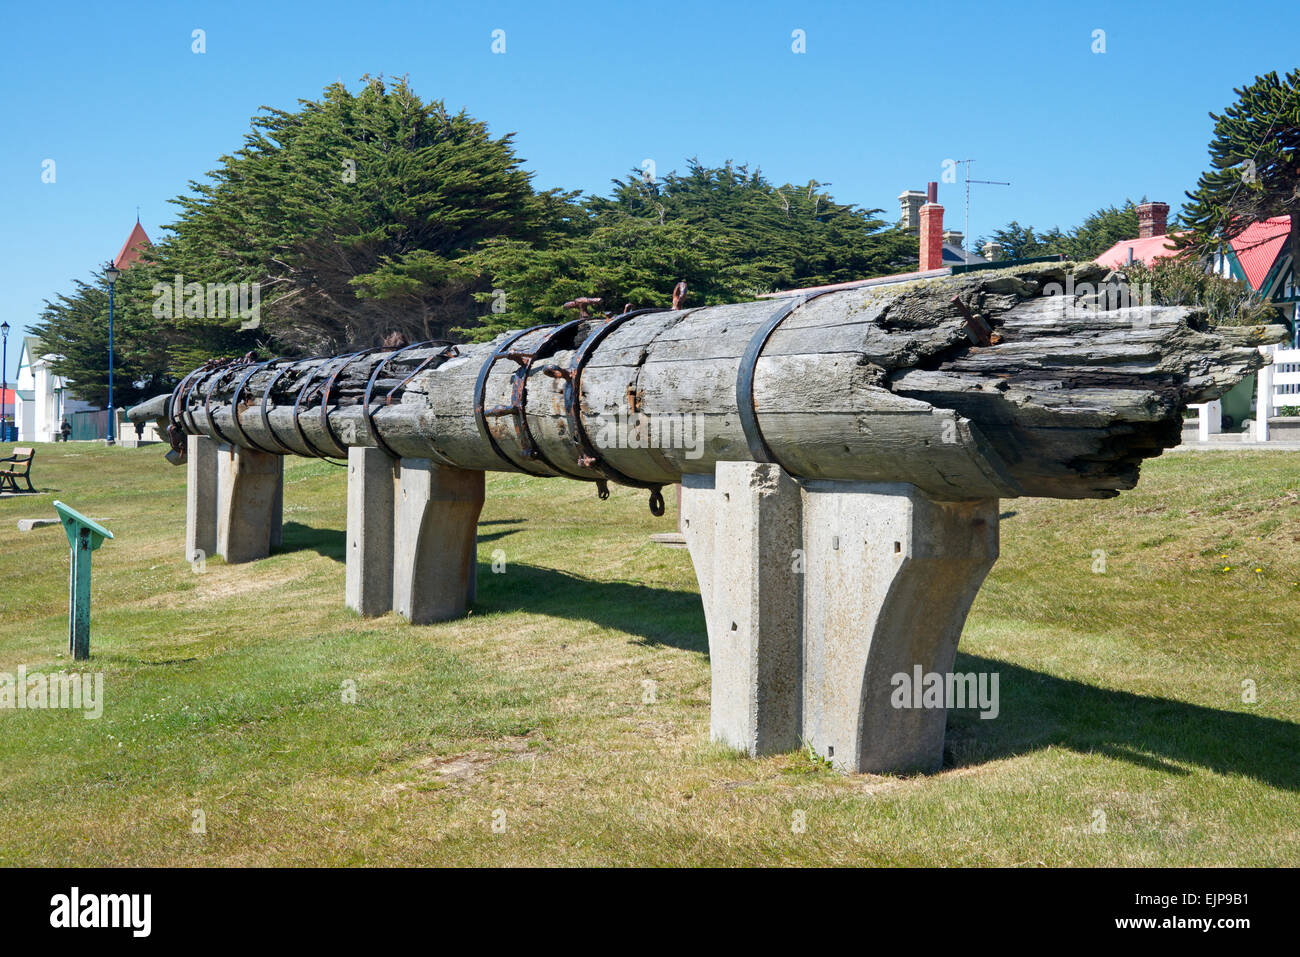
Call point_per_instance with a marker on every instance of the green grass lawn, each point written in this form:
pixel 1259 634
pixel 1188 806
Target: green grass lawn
pixel 1121 692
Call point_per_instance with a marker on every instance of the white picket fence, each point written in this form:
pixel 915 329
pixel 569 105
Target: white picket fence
pixel 1276 385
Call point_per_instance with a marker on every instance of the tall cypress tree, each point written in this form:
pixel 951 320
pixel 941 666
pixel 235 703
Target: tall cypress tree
pixel 727 231
pixel 355 214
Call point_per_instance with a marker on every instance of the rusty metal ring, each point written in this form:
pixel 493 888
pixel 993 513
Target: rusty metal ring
pixel 450 352
pixel 178 412
pixel 207 405
pixel 758 447
pixel 177 393
pixel 234 407
pixel 312 450
pixel 573 401
pixel 544 349
pixel 325 397
pixel 480 389
pixel 369 416
pixel 266 397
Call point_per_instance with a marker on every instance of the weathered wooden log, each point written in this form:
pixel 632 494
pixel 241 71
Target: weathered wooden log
pixel 993 384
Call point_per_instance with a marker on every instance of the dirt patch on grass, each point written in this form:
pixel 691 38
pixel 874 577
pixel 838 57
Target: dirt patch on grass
pixel 443 770
pixel 222 583
pixel 457 767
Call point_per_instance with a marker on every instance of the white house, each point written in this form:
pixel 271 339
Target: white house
pixel 43 397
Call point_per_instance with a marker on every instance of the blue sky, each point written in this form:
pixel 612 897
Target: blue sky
pixel 882 96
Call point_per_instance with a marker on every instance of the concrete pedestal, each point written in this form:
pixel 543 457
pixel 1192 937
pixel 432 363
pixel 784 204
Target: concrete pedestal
pixel 249 485
pixel 200 497
pixel 372 476
pixel 743 529
pixel 277 509
pixel 817 595
pixel 434 554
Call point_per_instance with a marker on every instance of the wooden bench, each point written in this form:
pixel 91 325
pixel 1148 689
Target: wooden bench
pixel 19 467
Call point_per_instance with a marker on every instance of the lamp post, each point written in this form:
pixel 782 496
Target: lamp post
pixel 4 381
pixel 111 272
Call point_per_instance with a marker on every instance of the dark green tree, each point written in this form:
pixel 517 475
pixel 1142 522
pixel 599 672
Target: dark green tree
pixel 1255 166
pixel 1098 232
pixel 75 326
pixel 726 231
pixel 1102 230
pixel 1021 242
pixel 628 262
pixel 355 215
pixel 779 236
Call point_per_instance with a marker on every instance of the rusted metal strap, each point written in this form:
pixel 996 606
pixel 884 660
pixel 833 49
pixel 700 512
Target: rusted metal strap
pixel 448 353
pixel 328 390
pixel 178 405
pixel 555 340
pixel 979 331
pixel 758 447
pixel 266 398
pixel 480 389
pixel 234 412
pixel 176 430
pixel 590 457
pixel 207 406
pixel 297 422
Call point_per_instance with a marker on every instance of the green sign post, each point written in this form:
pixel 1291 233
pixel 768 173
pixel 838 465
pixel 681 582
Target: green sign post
pixel 84 535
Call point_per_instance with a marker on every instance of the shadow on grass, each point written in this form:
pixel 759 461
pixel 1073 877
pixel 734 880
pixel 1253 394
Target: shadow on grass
pixel 332 542
pixel 297 537
pixel 1040 710
pixel 514 523
pixel 1037 710
pixel 656 616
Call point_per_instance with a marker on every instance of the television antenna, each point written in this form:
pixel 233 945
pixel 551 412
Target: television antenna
pixel 982 182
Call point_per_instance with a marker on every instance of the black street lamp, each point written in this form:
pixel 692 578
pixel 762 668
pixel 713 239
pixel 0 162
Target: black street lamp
pixel 111 272
pixel 4 381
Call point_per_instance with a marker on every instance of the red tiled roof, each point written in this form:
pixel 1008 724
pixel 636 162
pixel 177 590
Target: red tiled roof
pixel 1258 246
pixel 7 397
pixel 132 248
pixel 1145 251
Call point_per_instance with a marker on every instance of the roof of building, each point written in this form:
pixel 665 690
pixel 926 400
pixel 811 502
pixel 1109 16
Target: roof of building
pixel 7 399
pixel 1145 251
pixel 953 253
pixel 1258 246
pixel 1257 249
pixel 33 347
pixel 133 247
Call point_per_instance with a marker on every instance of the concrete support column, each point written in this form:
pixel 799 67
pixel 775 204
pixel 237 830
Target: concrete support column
pixel 890 577
pixel 434 554
pixel 751 571
pixel 372 476
pixel 816 595
pixel 696 520
pixel 277 509
pixel 249 484
pixel 200 497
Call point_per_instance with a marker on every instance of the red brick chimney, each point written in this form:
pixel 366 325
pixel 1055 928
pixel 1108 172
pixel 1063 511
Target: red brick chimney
pixel 1151 219
pixel 931 229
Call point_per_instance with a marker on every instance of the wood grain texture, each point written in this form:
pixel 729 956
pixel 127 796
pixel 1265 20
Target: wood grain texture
pixel 875 383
